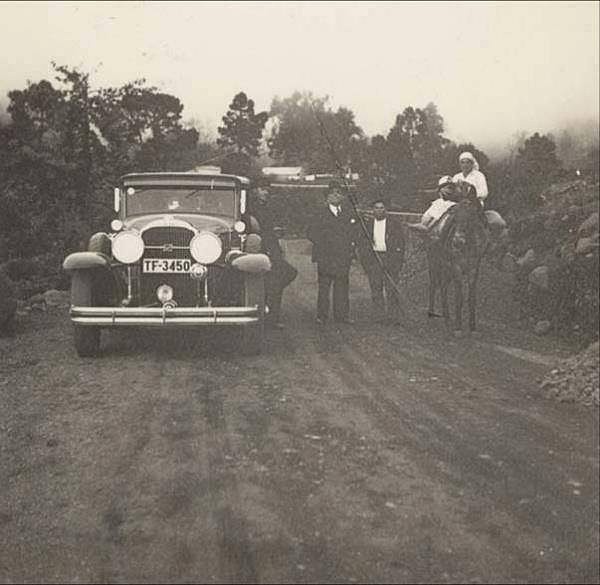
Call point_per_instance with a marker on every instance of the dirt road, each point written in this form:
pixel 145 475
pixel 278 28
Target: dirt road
pixel 360 453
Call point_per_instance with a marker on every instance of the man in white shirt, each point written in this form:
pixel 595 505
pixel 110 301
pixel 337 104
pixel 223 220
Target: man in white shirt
pixel 382 257
pixel 437 209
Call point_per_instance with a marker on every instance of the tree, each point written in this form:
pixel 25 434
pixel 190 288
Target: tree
pixel 35 109
pixel 419 134
pixel 537 164
pixel 175 150
pixel 400 152
pixel 431 144
pixel 411 157
pixel 451 152
pixel 306 130
pixel 242 129
pixel 66 146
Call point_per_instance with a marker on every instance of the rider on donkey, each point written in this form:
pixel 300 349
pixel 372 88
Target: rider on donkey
pixel 447 198
pixel 470 174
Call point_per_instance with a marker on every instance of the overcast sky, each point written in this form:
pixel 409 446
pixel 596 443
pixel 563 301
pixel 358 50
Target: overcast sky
pixel 493 68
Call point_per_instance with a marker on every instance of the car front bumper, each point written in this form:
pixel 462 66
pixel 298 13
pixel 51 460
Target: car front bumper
pixel 164 316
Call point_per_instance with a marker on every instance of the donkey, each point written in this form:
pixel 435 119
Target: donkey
pixel 461 238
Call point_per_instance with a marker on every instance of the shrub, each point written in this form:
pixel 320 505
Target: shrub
pixel 37 274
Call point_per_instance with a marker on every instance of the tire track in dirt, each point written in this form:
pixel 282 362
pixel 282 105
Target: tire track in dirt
pixel 370 373
pixel 197 499
pixel 236 556
pixel 488 482
pixel 340 454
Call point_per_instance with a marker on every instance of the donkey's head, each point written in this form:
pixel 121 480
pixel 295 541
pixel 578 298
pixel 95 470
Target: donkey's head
pixel 467 217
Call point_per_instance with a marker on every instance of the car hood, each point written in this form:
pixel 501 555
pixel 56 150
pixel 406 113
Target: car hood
pixel 198 222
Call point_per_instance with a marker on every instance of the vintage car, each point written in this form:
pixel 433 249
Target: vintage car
pixel 179 254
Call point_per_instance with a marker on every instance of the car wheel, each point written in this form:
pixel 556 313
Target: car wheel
pixel 87 338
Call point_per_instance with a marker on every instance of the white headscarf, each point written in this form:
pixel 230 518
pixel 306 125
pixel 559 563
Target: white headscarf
pixel 469 156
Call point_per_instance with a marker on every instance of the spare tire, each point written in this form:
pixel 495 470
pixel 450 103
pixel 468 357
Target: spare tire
pixel 100 242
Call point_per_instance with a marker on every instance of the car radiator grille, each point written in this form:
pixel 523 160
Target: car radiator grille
pixel 170 243
pixel 224 287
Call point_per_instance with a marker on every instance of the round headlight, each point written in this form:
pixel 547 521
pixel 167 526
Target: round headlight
pixel 206 247
pixel 239 226
pixel 127 247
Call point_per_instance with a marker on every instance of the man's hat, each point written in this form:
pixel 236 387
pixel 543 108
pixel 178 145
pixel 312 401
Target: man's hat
pixel 379 199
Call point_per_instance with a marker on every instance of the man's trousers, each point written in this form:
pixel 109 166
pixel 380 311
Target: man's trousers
pixel 341 302
pixel 281 275
pixel 379 282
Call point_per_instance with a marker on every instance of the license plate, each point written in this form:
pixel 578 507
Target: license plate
pixel 164 265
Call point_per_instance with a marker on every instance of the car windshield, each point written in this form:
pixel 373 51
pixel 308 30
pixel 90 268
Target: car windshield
pixel 141 200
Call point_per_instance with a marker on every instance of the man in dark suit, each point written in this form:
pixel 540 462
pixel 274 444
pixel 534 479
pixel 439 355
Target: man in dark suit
pixel 282 273
pixel 332 235
pixel 381 252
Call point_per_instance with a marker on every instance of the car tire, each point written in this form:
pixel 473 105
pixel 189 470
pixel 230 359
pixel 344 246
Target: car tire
pixel 252 337
pixel 86 338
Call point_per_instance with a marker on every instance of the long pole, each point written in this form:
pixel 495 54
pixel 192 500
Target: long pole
pixel 354 204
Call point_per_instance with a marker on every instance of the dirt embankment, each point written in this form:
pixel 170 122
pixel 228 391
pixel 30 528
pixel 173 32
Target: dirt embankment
pixel 553 252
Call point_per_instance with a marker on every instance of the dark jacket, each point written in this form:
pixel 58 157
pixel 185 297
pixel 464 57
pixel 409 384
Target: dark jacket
pixel 270 241
pixel 333 240
pixel 395 243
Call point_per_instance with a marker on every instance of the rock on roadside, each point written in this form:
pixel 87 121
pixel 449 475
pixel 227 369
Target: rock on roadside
pixel 575 379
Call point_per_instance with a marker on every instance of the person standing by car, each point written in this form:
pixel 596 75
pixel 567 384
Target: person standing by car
pixel 382 257
pixel 333 235
pixel 282 273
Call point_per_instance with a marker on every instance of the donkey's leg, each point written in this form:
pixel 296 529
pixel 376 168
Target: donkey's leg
pixel 431 289
pixel 458 294
pixel 444 294
pixel 474 277
pixel 433 285
pixel 434 268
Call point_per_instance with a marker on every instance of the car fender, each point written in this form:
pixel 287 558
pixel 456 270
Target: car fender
pixel 86 261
